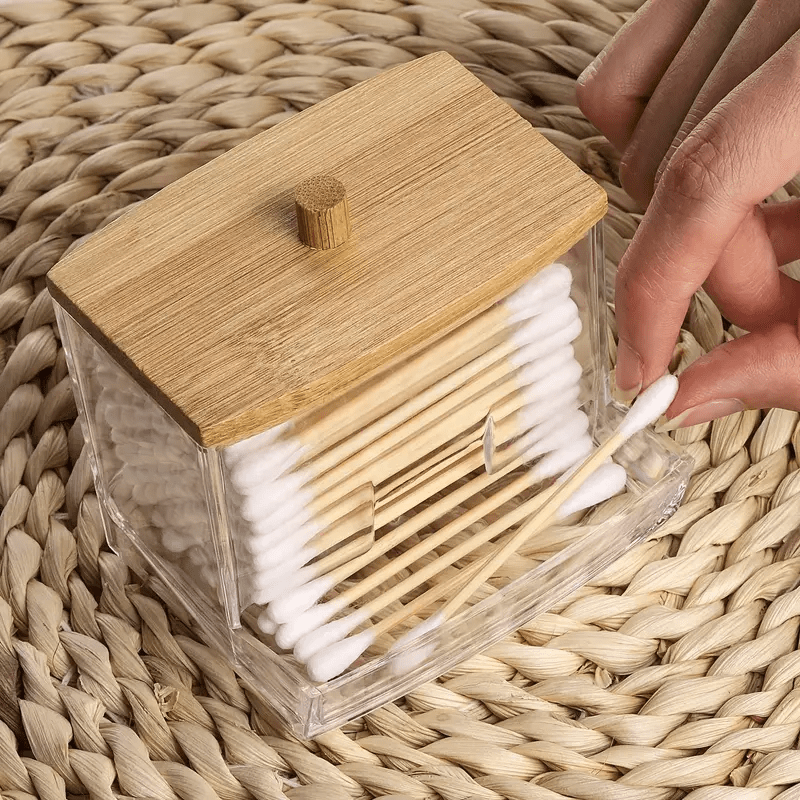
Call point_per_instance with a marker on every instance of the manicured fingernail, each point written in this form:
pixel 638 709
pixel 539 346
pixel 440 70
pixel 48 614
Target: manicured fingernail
pixel 629 373
pixel 705 412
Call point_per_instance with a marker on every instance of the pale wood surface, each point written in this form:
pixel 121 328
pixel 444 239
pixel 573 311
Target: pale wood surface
pixel 207 296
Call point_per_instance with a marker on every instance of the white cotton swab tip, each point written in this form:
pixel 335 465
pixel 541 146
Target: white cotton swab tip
pixel 608 481
pixel 562 430
pixel 562 313
pixel 649 406
pixel 271 585
pixel 255 443
pixel 562 378
pixel 283 557
pixel 326 635
pixel 300 535
pixel 551 282
pixel 291 632
pixel 430 624
pixel 559 461
pixel 539 366
pixel 278 502
pixel 306 589
pixel 334 660
pixel 542 411
pixel 265 624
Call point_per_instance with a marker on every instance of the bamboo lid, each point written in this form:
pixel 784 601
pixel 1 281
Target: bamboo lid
pixel 240 298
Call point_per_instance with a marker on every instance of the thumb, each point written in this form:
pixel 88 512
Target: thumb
pixel 758 370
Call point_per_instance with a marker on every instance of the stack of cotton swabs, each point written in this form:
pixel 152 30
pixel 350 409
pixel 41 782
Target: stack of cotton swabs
pixel 347 514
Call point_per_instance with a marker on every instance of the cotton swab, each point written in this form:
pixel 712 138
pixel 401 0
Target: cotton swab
pixel 313 581
pixel 504 429
pixel 311 515
pixel 294 515
pixel 302 617
pixel 285 550
pixel 318 430
pixel 570 442
pixel 349 477
pixel 609 480
pixel 316 636
pixel 570 425
pixel 521 320
pixel 606 482
pixel 331 653
pixel 423 432
pixel 326 650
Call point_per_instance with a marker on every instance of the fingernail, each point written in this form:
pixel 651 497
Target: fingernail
pixel 587 73
pixel 629 373
pixel 705 412
pixel 627 396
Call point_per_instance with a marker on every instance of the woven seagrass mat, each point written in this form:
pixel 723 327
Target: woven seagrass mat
pixel 672 674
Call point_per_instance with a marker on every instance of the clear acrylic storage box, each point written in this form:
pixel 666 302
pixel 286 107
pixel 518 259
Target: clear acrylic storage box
pixel 296 446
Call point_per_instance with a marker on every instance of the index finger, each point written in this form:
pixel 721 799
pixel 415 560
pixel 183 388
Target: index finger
pixel 614 90
pixel 744 149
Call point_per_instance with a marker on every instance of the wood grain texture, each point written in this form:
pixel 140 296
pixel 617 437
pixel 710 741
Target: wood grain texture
pixel 207 296
pixel 323 216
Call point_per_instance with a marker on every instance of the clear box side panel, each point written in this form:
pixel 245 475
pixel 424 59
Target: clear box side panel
pixel 333 511
pixel 155 483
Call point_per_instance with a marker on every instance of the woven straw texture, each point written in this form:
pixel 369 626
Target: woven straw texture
pixel 672 675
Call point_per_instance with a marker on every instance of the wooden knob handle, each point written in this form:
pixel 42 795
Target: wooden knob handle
pixel 323 217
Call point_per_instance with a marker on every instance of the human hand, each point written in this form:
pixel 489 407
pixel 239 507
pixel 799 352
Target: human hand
pixel 702 97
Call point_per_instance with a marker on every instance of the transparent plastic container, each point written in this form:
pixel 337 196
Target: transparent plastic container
pixel 215 531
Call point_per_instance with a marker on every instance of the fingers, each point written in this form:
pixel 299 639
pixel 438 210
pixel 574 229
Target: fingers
pixel 782 222
pixel 759 370
pixel 767 28
pixel 614 90
pixel 746 284
pixel 675 94
pixel 741 152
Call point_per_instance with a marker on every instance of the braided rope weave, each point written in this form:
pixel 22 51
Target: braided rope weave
pixel 672 675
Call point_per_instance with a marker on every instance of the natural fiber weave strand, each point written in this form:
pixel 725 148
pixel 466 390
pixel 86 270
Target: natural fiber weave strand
pixel 672 675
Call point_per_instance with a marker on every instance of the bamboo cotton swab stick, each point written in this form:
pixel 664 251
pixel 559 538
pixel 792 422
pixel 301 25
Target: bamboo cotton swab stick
pixel 424 432
pixel 331 646
pixel 514 320
pixel 311 493
pixel 609 480
pixel 294 596
pixel 327 652
pixel 303 628
pixel 320 429
pixel 539 440
pixel 297 592
pixel 300 516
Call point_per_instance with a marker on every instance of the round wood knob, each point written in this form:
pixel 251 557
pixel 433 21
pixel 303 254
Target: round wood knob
pixel 323 217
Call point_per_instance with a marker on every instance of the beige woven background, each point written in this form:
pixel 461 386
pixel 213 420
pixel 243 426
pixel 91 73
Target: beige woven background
pixel 673 675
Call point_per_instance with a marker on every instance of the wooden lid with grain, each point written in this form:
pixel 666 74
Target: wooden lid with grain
pixel 209 297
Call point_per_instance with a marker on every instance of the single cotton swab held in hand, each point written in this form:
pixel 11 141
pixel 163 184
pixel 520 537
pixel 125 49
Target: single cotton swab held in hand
pixel 336 653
